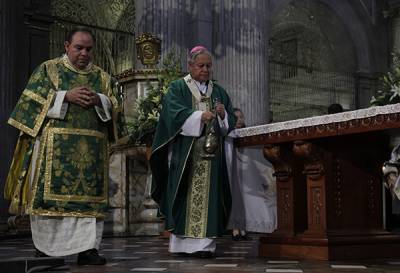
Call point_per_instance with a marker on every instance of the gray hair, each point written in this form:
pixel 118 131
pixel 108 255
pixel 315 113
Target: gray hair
pixel 192 56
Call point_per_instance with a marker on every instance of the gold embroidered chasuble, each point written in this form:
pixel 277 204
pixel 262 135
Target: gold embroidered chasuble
pixel 71 171
pixel 199 185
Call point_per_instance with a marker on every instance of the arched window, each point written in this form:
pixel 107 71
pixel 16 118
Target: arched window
pixel 311 62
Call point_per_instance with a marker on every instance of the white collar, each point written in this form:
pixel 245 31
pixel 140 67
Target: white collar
pixel 68 64
pixel 194 88
pixel 202 86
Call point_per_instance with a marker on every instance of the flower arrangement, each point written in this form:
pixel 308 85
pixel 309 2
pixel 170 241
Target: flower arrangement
pixel 148 108
pixel 389 93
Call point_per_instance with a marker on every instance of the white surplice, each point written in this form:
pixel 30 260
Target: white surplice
pixel 253 188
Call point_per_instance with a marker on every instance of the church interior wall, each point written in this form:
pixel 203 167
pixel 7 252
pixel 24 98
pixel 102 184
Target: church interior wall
pixel 335 41
pixel 24 44
pixel 309 41
pixel 344 36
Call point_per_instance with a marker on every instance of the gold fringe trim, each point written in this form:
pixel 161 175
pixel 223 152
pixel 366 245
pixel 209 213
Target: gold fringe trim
pixel 34 96
pixel 38 121
pixel 44 212
pixel 49 164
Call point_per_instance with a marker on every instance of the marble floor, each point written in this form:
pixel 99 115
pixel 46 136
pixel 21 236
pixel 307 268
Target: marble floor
pixel 150 254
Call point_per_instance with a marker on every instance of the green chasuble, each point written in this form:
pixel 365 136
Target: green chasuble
pixel 70 175
pixel 193 192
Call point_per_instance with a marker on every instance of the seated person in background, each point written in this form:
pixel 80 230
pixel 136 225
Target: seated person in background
pixel 239 118
pixel 335 108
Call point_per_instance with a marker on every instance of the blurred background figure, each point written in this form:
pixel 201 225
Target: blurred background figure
pixel 252 187
pixel 238 226
pixel 335 108
pixel 239 118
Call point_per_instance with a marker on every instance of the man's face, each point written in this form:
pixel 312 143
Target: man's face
pixel 79 50
pixel 200 70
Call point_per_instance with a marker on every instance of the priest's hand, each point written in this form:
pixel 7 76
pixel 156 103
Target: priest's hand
pixel 95 99
pixel 207 116
pixel 82 96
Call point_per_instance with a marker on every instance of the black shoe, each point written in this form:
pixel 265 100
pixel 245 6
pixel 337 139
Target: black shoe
pixel 203 254
pixel 91 257
pixel 181 254
pixel 40 254
pixel 245 237
pixel 236 237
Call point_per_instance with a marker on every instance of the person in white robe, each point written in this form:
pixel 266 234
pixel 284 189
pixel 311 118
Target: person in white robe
pixel 253 187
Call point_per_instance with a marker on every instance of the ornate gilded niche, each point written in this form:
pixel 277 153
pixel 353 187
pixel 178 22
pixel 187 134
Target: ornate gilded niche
pixel 148 49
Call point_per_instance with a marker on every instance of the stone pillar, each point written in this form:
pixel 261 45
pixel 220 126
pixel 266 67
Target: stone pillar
pixel 241 57
pixel 165 19
pixel 235 32
pixel 395 33
pixel 117 221
pixel 132 211
pixel 200 24
pixel 366 86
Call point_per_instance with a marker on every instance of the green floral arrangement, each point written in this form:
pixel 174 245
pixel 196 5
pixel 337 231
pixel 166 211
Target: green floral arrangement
pixel 148 107
pixel 389 93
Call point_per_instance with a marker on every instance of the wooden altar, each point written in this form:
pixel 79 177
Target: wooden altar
pixel 329 186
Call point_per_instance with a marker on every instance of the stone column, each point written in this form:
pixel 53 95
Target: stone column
pixel 366 86
pixel 117 221
pixel 241 58
pixel 235 32
pixel 200 24
pixel 167 20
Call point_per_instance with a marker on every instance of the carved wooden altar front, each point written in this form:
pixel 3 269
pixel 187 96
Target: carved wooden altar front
pixel 329 188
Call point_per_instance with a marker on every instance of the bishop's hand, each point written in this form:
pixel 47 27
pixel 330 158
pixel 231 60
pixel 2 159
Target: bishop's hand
pixel 207 116
pixel 220 110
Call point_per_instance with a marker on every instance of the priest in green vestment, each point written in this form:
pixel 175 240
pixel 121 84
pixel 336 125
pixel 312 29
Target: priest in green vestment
pixel 67 115
pixel 190 182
